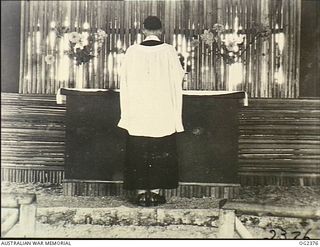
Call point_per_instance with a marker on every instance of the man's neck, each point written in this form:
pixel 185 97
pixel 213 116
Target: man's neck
pixel 151 37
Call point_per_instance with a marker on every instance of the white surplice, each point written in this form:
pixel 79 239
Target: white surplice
pixel 151 90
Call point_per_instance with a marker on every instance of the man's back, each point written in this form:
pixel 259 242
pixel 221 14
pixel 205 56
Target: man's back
pixel 151 78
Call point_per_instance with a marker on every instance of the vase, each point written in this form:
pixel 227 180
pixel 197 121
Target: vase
pixel 81 76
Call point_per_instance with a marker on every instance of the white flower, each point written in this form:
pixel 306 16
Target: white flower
pixel 84 39
pixel 235 48
pixel 207 37
pixel 234 39
pixel 100 44
pixel 101 33
pixel 218 28
pixel 49 59
pixel 79 45
pixel 74 37
pixel 237 39
pixel 232 43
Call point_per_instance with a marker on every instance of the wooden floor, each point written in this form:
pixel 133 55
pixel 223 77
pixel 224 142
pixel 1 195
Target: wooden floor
pixel 279 140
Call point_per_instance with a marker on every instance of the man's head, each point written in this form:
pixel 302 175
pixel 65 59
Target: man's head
pixel 152 26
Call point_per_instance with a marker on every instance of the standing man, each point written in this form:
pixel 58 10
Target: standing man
pixel 151 109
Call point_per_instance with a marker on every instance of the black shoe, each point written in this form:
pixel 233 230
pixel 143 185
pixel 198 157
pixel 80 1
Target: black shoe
pixel 143 199
pixel 149 198
pixel 157 199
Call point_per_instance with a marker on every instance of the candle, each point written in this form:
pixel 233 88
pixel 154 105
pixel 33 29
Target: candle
pixel 236 23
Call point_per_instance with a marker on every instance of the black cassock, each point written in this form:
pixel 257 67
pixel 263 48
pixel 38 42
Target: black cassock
pixel 151 162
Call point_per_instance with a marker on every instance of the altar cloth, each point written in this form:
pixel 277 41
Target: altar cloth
pixel 207 149
pixel 61 97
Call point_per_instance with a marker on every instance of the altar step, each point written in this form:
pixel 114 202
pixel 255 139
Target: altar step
pixel 73 187
pixel 125 222
pixel 158 222
pixel 88 231
pixel 126 216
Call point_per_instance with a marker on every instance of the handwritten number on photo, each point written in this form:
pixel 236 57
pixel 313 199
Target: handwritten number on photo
pixel 274 233
pixel 283 234
pixel 305 235
pixel 296 236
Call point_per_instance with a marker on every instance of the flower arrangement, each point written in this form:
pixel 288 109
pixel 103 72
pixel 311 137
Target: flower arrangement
pixel 82 46
pixel 231 46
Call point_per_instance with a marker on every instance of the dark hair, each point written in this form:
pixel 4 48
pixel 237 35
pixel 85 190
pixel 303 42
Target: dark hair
pixel 152 23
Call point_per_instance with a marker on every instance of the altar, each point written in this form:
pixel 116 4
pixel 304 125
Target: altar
pixel 207 149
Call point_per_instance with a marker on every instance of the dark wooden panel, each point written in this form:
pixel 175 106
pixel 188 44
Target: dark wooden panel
pixel 280 142
pixel 32 132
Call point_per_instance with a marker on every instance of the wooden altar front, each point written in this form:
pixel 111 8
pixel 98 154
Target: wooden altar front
pixel 208 149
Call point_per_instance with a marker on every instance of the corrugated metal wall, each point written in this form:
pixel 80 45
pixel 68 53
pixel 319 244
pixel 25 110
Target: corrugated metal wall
pixel 270 70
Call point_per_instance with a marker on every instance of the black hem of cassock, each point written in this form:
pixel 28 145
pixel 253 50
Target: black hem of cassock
pixel 151 163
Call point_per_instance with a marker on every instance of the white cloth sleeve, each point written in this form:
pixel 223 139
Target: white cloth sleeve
pixel 177 75
pixel 123 94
